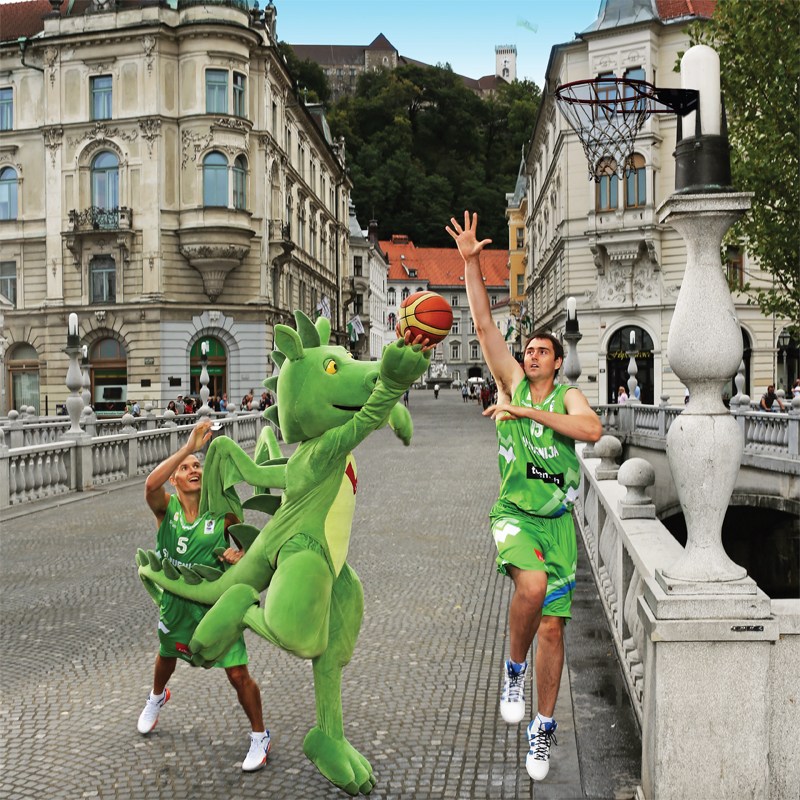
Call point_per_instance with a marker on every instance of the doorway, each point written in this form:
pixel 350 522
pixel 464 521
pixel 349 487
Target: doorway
pixel 217 367
pixel 617 360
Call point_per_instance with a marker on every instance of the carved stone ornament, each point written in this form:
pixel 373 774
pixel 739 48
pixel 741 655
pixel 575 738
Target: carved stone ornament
pixel 148 45
pixel 52 141
pixel 100 316
pixel 51 62
pixel 612 287
pixel 646 288
pixel 151 129
pixel 101 133
pixel 214 262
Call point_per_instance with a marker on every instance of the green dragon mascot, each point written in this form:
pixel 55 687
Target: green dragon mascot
pixel 328 403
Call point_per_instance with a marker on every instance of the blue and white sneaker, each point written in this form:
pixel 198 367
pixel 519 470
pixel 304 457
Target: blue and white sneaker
pixel 257 756
pixel 540 736
pixel 512 701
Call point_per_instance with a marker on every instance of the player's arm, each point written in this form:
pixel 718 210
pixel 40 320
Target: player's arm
pixel 231 554
pixel 154 493
pixel 580 422
pixel 503 366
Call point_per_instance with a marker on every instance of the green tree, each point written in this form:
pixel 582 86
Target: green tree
pixel 758 42
pixel 422 147
pixel 308 74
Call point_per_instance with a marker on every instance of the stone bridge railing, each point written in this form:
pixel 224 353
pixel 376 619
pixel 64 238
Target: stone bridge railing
pixel 765 434
pixel 37 461
pixel 658 647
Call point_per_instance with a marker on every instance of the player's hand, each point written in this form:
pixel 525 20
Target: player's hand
pixel 231 556
pixel 408 340
pixel 504 411
pixel 200 435
pixel 466 238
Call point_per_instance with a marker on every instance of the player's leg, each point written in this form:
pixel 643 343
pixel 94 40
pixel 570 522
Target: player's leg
pixel 325 744
pixel 561 557
pixel 163 672
pixel 158 697
pixel 519 555
pixel 249 697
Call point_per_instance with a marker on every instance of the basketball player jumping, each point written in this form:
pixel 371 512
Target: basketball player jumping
pixel 537 425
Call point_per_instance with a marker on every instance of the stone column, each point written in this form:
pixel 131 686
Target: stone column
pixel 572 363
pixel 74 380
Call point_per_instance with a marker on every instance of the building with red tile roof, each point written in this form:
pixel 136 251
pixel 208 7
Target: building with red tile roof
pixel 441 270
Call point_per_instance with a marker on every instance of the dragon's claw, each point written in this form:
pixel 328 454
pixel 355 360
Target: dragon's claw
pixel 339 762
pixel 190 576
pixel 208 573
pixel 141 558
pixel 169 570
pixel 153 561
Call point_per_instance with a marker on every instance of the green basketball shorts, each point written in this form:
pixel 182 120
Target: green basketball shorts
pixel 539 543
pixel 176 626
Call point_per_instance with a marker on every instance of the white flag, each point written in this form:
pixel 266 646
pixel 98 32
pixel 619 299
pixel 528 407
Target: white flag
pixel 323 308
pixel 358 326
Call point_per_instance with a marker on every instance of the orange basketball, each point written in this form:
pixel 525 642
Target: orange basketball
pixel 428 314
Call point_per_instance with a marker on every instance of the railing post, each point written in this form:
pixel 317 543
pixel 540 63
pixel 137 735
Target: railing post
pixel 16 438
pixel 149 417
pixel 4 476
pixel 793 434
pixel 234 426
pixel 132 443
pixel 169 422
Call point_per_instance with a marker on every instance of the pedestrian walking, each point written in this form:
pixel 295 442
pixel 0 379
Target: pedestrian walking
pixel 537 425
pixel 223 404
pixel 464 392
pixel 405 397
pixel 180 406
pixel 435 391
pixel 187 538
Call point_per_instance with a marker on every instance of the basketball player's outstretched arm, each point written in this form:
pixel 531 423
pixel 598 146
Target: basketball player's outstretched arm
pixel 504 367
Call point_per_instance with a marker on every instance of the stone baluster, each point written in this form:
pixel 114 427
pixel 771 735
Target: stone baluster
pixel 150 422
pixel 14 427
pixel 633 370
pixel 205 409
pixel 74 380
pixel 6 489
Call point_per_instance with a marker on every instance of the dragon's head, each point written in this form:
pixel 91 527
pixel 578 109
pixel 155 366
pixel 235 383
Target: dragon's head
pixel 319 386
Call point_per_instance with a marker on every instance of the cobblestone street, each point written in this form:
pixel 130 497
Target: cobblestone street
pixel 420 696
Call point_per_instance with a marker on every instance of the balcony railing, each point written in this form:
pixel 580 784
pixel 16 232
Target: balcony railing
pixel 242 4
pixel 100 219
pixel 280 230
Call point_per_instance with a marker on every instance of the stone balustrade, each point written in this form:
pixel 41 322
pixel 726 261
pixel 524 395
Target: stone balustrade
pixel 625 545
pixel 767 434
pixel 36 463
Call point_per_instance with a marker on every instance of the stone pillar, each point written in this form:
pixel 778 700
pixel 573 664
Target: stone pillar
pixel 16 437
pixel 572 363
pixel 205 409
pixel 74 380
pixel 704 444
pixel 4 472
pixel 633 370
pixel 86 378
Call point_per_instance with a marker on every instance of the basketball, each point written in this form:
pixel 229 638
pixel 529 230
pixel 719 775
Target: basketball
pixel 427 314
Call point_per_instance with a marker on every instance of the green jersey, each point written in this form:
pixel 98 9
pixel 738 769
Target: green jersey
pixel 539 471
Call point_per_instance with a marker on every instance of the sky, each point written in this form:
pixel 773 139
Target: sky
pixel 461 32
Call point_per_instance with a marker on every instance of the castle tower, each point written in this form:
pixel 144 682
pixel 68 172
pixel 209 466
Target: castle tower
pixel 505 57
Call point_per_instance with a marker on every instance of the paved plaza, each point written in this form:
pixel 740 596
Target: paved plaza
pixel 420 696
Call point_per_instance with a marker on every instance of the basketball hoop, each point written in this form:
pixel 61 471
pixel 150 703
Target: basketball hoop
pixel 608 113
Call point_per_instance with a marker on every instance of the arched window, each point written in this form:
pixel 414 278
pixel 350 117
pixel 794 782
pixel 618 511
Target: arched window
pixel 635 184
pixel 109 377
pixel 105 182
pixel 391 298
pixel 239 182
pixel 23 376
pixel 215 180
pixel 8 193
pixel 404 294
pixel 606 197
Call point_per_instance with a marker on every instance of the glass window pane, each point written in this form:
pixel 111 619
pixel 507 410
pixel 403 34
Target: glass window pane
pixel 25 388
pixel 604 192
pixel 6 109
pixel 641 184
pixel 613 192
pixel 630 188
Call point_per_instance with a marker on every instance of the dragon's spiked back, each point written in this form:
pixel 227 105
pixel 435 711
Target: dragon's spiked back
pixel 319 386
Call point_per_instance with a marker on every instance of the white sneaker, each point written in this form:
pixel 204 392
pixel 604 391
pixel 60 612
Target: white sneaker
pixel 149 717
pixel 540 736
pixel 257 757
pixel 512 701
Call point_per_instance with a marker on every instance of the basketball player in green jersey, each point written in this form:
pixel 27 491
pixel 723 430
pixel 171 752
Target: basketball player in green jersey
pixel 186 539
pixel 537 425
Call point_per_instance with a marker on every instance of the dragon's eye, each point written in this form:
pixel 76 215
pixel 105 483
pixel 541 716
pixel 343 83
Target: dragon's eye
pixel 330 367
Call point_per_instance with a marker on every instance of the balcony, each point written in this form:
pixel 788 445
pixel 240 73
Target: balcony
pixel 280 242
pixel 92 227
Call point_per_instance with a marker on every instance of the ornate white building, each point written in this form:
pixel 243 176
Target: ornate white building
pixel 159 177
pixel 601 242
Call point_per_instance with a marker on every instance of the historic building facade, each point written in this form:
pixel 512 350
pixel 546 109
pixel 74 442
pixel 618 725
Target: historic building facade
pixel 365 290
pixel 161 179
pixel 438 269
pixel 602 242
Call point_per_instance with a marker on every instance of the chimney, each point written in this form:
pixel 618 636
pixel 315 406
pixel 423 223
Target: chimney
pixel 373 232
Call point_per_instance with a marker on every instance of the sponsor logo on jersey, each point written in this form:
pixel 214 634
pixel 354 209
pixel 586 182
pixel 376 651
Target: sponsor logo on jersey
pixel 182 648
pixel 539 555
pixel 536 474
pixel 175 518
pixel 208 529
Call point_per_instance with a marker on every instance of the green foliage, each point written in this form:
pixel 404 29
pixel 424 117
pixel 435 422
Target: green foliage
pixel 308 74
pixel 422 147
pixel 758 42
